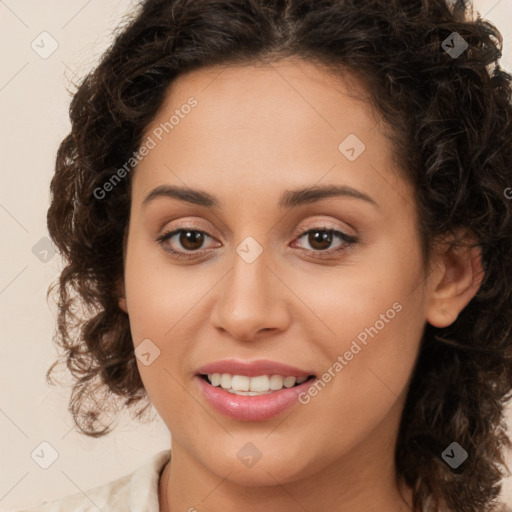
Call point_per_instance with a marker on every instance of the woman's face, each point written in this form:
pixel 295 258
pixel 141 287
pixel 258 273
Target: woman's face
pixel 349 309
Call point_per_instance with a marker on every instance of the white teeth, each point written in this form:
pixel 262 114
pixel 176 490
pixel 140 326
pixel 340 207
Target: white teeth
pixel 276 382
pixel 260 383
pixel 240 383
pixel 252 386
pixel 225 380
pixel 289 382
pixel 248 393
pixel 214 378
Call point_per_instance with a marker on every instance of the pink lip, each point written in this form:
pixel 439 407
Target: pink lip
pixel 253 368
pixel 251 408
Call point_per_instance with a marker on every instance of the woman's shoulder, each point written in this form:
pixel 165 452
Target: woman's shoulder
pixel 135 491
pixel 105 497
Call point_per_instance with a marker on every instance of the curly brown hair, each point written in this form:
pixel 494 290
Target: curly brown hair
pixel 451 120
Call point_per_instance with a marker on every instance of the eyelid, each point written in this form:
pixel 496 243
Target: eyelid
pixel 321 224
pixel 347 240
pixel 315 224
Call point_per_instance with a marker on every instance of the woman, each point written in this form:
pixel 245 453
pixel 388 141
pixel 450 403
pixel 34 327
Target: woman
pixel 290 223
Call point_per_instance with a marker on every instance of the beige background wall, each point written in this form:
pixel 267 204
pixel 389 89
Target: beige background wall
pixel 33 114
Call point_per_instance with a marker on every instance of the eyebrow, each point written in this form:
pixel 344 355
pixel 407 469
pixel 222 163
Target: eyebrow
pixel 289 198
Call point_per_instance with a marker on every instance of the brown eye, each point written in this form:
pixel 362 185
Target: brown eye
pixel 190 239
pixel 319 239
pixel 186 241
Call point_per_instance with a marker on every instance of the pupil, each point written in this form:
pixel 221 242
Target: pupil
pixel 189 238
pixel 324 239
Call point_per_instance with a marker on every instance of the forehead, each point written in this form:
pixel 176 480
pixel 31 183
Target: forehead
pixel 278 125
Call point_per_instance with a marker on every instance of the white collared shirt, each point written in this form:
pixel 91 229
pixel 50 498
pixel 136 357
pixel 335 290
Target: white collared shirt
pixel 134 492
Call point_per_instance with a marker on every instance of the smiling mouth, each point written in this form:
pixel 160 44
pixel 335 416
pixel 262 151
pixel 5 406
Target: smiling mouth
pixel 253 386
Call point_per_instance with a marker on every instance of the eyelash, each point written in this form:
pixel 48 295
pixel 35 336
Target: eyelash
pixel 347 239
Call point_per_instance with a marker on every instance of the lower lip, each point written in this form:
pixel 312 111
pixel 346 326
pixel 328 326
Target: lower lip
pixel 252 408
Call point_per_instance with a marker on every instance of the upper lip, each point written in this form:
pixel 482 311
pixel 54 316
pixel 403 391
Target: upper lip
pixel 253 368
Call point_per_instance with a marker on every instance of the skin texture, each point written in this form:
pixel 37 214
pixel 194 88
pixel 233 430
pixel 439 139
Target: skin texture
pixel 255 132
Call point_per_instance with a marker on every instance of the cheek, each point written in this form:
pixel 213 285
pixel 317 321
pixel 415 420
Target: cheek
pixel 163 303
pixel 158 297
pixel 372 317
pixel 364 382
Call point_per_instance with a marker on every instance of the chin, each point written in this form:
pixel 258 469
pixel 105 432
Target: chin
pixel 269 470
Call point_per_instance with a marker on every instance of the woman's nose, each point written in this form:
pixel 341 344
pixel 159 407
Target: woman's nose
pixel 251 298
